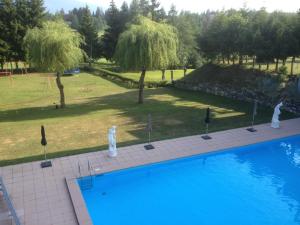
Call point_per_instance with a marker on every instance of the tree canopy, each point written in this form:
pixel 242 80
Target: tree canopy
pixel 147 44
pixel 87 28
pixel 16 17
pixel 54 47
pixel 266 37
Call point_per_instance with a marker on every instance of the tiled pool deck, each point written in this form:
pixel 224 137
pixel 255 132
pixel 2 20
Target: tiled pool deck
pixel 41 196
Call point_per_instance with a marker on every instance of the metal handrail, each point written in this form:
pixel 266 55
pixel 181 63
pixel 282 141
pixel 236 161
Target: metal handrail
pixel 79 170
pixel 90 168
pixel 9 203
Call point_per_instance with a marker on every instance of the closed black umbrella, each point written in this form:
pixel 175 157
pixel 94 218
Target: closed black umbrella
pixel 207 118
pixel 207 121
pixel 44 143
pixel 43 133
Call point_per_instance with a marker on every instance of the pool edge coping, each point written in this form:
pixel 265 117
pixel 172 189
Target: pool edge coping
pixel 78 203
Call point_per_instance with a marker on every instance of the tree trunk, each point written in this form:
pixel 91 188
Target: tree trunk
pixel 141 86
pixel 163 71
pixel 283 62
pixel 276 67
pixel 17 65
pixel 246 59
pixel 25 67
pixel 223 59
pixel 11 67
pixel 241 60
pixel 228 61
pixel 61 90
pixel 268 65
pixel 259 66
pixel 233 61
pixel 292 66
pixel 253 61
pixel 184 71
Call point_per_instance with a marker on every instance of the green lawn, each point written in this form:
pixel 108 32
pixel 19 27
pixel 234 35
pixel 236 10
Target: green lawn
pixel 156 76
pixel 95 104
pixel 151 76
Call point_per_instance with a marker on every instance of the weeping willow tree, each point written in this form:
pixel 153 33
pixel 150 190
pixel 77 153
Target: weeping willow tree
pixel 147 45
pixel 54 47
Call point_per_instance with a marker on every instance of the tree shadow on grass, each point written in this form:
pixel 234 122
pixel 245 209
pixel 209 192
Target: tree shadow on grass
pixel 163 103
pixel 175 113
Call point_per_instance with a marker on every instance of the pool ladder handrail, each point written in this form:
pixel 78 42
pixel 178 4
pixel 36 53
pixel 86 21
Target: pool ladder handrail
pixel 79 170
pixel 90 170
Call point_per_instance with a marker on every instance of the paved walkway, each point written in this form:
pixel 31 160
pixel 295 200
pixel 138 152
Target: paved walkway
pixel 4 216
pixel 40 196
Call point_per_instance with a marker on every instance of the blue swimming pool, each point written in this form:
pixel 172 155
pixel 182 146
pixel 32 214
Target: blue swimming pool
pixel 252 185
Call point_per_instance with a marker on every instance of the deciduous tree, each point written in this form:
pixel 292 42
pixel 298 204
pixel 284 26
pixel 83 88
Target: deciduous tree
pixel 147 45
pixel 54 47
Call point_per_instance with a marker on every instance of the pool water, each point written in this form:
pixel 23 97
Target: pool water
pixel 252 185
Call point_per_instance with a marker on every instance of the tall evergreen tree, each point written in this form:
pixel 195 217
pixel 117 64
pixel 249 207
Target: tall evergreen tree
pixel 161 15
pixel 90 34
pixel 16 18
pixel 154 9
pixel 36 12
pixel 134 9
pixel 124 15
pixel 172 15
pixel 115 27
pixel 99 19
pixel 9 27
pixel 144 7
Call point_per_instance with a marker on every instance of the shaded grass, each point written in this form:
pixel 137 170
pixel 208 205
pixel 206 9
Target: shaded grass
pixel 151 76
pixel 156 76
pixel 94 105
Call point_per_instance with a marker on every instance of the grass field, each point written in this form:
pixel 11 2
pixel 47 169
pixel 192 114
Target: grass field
pixel 156 75
pixel 95 104
pixel 151 76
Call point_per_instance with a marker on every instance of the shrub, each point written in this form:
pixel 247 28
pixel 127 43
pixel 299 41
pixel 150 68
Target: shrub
pixel 283 70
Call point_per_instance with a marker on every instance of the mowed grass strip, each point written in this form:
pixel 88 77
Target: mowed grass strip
pixel 151 76
pixel 95 104
pixel 156 76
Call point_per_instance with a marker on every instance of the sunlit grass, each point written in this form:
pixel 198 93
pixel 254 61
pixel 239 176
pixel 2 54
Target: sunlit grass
pixel 156 76
pixel 95 104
